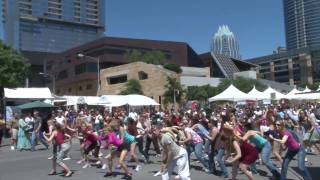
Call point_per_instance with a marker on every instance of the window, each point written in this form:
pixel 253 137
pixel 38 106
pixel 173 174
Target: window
pixel 80 88
pixel 58 91
pixel 70 89
pixel 86 67
pixel 117 79
pixel 142 75
pixel 89 86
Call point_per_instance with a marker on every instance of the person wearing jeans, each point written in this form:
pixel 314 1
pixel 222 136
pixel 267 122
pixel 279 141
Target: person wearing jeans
pixel 194 143
pixel 291 140
pixel 220 160
pixel 36 134
pixel 263 146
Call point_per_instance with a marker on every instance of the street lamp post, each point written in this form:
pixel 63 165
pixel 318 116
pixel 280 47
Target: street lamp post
pixel 98 67
pixel 53 80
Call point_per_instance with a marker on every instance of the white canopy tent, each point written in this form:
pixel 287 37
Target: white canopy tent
pixel 293 94
pixel 231 94
pixel 267 94
pixel 254 93
pixel 111 100
pixel 139 100
pixel 27 93
pixel 131 100
pixel 308 96
pixel 74 100
pixel 306 90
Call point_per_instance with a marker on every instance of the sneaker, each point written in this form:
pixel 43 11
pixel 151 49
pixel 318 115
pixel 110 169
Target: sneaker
pixel 206 170
pixel 138 168
pixel 104 166
pixel 86 166
pixel 80 161
pixel 177 177
pixel 98 162
pixel 12 147
pixel 158 155
pixel 108 174
pixel 67 158
pixel 159 173
pixel 100 154
pixel 51 157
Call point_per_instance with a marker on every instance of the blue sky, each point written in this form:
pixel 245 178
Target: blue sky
pixel 257 24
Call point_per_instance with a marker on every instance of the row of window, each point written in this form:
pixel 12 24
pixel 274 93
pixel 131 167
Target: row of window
pixel 124 78
pixel 80 88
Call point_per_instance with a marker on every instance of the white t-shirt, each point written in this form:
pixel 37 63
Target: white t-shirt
pixel 98 119
pixel 28 120
pixel 60 120
pixel 133 115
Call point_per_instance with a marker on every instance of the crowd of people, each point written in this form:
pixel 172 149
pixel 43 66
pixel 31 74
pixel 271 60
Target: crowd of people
pixel 239 137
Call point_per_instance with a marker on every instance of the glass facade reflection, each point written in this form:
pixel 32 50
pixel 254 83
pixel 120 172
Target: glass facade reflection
pixel 52 25
pixel 302 23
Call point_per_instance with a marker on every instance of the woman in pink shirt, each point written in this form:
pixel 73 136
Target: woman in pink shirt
pixel 291 140
pixel 119 147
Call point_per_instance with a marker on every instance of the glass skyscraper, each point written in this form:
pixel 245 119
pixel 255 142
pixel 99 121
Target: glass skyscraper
pixel 225 43
pixel 302 23
pixel 51 25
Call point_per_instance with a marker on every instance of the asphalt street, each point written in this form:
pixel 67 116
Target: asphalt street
pixel 26 165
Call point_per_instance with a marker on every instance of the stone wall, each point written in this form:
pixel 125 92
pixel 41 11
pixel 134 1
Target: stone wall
pixel 153 86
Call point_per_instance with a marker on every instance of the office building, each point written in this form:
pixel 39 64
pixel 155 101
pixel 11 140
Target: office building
pixel 51 25
pixel 78 76
pixel 38 28
pixel 302 23
pixel 293 67
pixel 225 43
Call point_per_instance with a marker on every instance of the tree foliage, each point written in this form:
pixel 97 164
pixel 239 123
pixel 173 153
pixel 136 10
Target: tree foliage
pixel 200 92
pixel 173 67
pixel 132 87
pixel 151 57
pixel 204 92
pixel 243 84
pixel 313 86
pixel 172 86
pixel 13 67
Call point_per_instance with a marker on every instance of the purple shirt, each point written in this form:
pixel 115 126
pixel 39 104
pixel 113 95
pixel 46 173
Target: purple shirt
pixel 291 143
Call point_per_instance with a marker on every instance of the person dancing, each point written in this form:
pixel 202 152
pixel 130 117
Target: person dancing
pixel 59 139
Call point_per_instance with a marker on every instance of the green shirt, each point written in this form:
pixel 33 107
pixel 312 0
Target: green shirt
pixel 167 139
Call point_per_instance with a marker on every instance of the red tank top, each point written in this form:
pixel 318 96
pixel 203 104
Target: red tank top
pixel 59 138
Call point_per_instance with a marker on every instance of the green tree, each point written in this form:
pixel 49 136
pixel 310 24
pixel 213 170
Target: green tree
pixel 132 87
pixel 243 84
pixel 151 57
pixel 173 67
pixel 172 86
pixel 134 55
pixel 13 67
pixel 201 93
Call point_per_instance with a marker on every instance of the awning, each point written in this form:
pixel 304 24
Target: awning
pixel 27 93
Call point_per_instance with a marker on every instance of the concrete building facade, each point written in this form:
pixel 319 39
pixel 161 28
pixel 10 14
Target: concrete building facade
pixel 70 70
pixel 294 67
